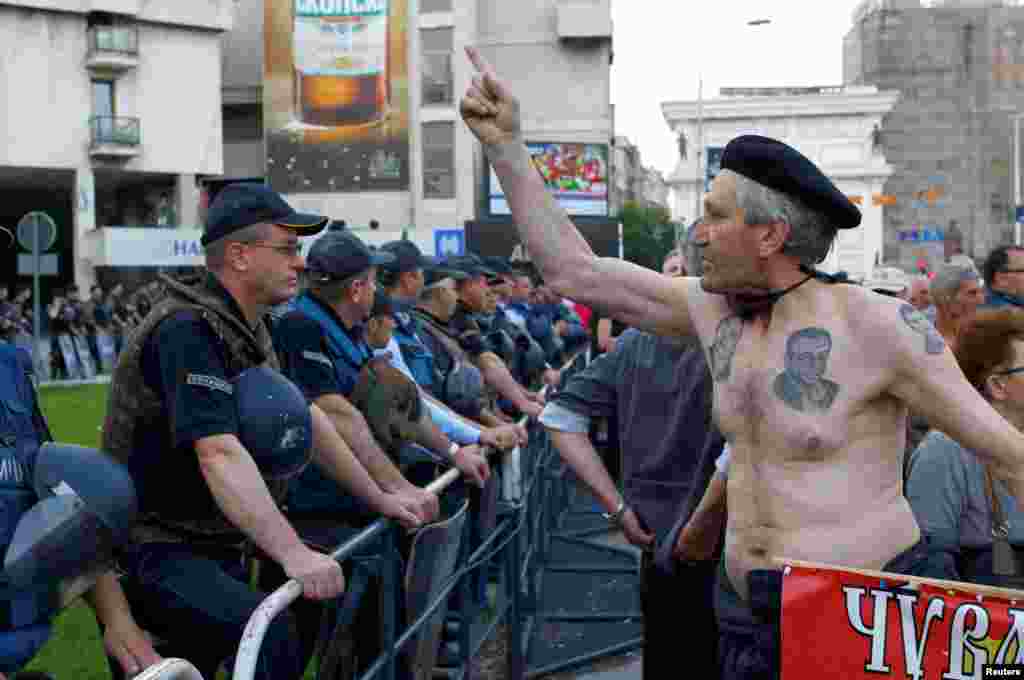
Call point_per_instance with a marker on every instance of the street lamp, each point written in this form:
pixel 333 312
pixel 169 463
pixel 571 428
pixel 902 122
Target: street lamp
pixel 1017 176
pixel 701 178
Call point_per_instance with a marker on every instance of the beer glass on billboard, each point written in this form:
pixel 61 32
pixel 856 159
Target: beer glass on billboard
pixel 341 61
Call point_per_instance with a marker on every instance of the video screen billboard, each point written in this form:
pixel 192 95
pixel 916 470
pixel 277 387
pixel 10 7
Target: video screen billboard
pixel 576 174
pixel 336 95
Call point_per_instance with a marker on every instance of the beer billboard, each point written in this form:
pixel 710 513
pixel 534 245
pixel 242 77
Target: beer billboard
pixel 336 95
pixel 576 174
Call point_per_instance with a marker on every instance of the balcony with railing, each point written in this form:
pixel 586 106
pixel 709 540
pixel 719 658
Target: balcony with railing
pixel 114 137
pixel 114 48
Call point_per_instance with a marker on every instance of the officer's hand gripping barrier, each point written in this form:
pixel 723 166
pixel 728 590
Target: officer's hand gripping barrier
pixel 280 599
pixel 170 669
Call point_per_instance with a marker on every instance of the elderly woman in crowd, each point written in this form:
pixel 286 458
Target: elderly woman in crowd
pixel 956 500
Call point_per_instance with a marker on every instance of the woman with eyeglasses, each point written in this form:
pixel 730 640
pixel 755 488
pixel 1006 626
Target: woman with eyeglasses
pixel 958 503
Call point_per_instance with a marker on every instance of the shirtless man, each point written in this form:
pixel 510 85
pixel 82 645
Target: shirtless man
pixel 819 484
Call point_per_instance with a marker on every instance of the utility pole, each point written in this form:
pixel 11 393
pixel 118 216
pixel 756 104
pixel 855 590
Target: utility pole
pixel 699 187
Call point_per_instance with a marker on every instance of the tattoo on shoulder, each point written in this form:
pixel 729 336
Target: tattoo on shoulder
pixel 919 323
pixel 803 385
pixel 722 350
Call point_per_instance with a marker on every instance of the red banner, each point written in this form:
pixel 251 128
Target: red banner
pixel 848 626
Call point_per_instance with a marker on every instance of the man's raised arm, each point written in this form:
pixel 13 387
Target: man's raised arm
pixel 631 294
pixel 927 378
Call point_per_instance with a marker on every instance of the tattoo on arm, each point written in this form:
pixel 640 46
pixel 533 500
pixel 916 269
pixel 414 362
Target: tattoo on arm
pixel 722 350
pixel 919 323
pixel 803 385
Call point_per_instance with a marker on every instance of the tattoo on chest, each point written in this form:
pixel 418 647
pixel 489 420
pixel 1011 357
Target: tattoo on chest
pixel 919 323
pixel 722 350
pixel 803 385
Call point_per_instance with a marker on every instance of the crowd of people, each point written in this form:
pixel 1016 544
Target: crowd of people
pixel 763 410
pixel 782 398
pixel 97 322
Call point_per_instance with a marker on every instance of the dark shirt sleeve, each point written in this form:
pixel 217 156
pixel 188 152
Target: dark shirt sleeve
pixel 185 362
pixel 299 343
pixel 594 391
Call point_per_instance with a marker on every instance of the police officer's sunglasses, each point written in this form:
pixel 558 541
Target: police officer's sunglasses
pixel 286 249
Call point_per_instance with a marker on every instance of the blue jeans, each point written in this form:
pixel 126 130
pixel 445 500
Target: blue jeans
pixel 198 603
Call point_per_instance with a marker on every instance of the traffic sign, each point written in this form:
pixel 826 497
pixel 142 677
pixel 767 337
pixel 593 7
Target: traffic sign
pixel 37 227
pixel 47 265
pixel 449 242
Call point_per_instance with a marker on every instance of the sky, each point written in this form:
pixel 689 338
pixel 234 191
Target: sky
pixel 664 47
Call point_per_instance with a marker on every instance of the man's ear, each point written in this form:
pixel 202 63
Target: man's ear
pixel 236 257
pixel 995 386
pixel 772 237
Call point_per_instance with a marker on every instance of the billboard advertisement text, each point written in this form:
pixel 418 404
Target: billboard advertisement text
pixel 336 95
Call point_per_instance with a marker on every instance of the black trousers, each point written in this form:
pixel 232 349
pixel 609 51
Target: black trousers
pixel 749 637
pixel 672 602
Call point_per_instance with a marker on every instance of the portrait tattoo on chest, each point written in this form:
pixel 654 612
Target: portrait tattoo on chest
pixel 722 350
pixel 803 385
pixel 919 323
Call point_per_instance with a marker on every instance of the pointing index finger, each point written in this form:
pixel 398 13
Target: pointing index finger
pixel 480 63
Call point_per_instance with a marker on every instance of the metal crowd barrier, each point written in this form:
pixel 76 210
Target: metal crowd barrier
pixel 519 539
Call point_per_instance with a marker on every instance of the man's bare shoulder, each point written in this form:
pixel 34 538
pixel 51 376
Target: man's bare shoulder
pixel 706 309
pixel 895 327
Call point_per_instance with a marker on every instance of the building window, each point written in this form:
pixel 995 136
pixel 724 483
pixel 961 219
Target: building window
pixel 103 98
pixel 435 5
pixel 103 110
pixel 438 81
pixel 439 160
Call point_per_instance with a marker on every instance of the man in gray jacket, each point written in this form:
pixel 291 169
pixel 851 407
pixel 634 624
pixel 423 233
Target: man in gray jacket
pixel 659 391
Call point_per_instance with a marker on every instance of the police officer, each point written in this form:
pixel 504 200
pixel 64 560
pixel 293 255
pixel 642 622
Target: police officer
pixel 474 297
pixel 323 349
pixel 209 494
pixel 523 354
pixel 403 280
pixel 457 381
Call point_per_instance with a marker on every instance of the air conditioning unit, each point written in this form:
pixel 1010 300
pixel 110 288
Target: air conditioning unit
pixel 584 19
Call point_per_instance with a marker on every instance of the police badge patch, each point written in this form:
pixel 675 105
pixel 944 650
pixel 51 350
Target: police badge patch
pixel 210 382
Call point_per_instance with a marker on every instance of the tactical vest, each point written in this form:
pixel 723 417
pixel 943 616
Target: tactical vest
pixel 388 400
pixel 132 403
pixel 529 361
pixel 445 366
pixel 416 355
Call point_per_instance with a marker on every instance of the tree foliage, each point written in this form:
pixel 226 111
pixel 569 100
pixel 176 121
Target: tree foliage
pixel 648 234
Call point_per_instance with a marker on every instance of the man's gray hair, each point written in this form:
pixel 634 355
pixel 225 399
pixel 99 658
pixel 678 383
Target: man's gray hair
pixel 946 283
pixel 216 251
pixel 810 234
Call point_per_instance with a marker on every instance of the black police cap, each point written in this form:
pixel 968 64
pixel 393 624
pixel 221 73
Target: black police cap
pixel 244 204
pixel 441 271
pixel 407 257
pixel 471 265
pixel 778 166
pixel 497 264
pixel 339 255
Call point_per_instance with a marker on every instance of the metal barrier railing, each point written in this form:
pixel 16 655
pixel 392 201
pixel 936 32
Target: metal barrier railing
pixel 519 540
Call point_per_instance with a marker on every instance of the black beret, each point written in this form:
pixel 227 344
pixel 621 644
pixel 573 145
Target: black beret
pixel 783 168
